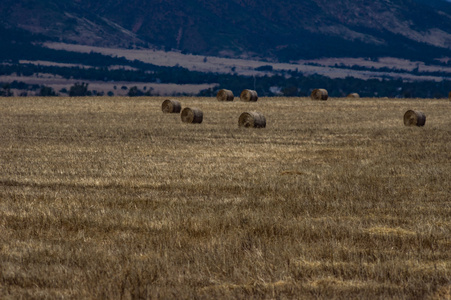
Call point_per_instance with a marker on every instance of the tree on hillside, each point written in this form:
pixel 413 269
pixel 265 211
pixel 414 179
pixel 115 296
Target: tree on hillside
pixel 6 90
pixel 134 92
pixel 290 91
pixel 47 91
pixel 78 90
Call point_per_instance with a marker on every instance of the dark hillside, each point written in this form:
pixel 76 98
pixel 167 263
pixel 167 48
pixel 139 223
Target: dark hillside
pixel 288 29
pixel 65 21
pixel 276 30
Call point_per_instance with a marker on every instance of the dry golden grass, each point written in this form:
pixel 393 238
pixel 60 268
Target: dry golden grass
pixel 247 66
pixel 111 198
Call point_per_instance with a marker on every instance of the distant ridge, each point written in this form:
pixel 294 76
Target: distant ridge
pixel 278 30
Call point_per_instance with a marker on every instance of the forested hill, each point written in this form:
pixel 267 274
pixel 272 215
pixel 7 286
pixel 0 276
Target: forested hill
pixel 273 29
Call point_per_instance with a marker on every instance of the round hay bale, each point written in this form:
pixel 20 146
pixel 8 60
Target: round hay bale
pixel 224 95
pixel 319 94
pixel 171 106
pixel 252 119
pixel 414 118
pixel 192 115
pixel 449 95
pixel 249 96
pixel 353 95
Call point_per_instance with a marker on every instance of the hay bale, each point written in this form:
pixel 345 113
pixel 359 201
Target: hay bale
pixel 319 94
pixel 249 96
pixel 353 95
pixel 449 95
pixel 224 95
pixel 171 106
pixel 252 119
pixel 192 115
pixel 414 118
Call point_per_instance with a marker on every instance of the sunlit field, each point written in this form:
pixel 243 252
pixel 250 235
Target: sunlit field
pixel 112 198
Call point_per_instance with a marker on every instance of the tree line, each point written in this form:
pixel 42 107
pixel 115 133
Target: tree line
pixel 289 84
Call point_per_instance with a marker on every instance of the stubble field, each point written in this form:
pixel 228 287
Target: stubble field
pixel 111 198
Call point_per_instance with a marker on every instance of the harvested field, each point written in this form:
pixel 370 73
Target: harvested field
pixel 111 198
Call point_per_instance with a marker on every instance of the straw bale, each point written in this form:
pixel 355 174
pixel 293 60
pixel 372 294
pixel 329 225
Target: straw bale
pixel 414 118
pixel 171 106
pixel 353 95
pixel 192 115
pixel 319 94
pixel 224 95
pixel 249 95
pixel 252 119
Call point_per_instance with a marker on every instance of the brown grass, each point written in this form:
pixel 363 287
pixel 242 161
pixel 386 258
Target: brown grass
pixel 110 198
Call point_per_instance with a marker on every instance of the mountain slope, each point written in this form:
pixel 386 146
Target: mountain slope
pixel 64 20
pixel 280 30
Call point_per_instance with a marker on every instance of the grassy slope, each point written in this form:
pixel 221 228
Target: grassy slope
pixel 102 197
